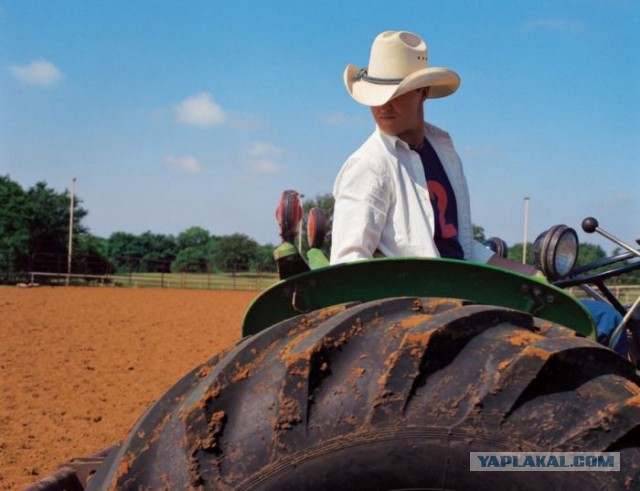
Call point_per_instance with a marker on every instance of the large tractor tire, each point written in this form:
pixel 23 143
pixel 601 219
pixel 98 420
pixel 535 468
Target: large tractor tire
pixel 388 395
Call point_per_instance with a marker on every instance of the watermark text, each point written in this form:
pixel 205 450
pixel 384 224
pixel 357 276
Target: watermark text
pixel 544 461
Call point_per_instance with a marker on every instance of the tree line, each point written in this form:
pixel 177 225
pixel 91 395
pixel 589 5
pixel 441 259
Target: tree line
pixel 34 234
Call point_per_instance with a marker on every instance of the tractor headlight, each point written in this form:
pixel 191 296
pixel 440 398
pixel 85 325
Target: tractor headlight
pixel 497 245
pixel 555 251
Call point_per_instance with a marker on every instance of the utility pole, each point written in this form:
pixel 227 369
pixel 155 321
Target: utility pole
pixel 70 245
pixel 526 226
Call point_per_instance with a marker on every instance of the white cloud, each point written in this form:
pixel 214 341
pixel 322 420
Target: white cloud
pixel 199 110
pixel 572 26
pixel 263 158
pixel 261 149
pixel 265 166
pixel 40 73
pixel 186 163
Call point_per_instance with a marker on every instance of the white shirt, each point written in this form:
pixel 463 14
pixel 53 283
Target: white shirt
pixel 382 201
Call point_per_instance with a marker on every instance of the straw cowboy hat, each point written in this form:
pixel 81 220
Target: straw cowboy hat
pixel 397 65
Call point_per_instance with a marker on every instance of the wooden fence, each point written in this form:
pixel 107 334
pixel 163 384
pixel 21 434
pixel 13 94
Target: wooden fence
pixel 212 281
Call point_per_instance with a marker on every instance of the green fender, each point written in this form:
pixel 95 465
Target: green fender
pixel 399 277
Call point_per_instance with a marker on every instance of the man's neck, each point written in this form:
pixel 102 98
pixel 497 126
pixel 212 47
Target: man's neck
pixel 414 137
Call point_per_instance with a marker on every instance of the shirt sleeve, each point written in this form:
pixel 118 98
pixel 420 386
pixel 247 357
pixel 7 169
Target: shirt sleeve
pixel 362 199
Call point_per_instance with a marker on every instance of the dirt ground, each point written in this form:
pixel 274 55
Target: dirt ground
pixel 78 366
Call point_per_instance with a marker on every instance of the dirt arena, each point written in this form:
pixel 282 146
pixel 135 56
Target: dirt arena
pixel 79 365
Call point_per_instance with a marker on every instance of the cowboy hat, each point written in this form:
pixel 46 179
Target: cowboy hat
pixel 397 65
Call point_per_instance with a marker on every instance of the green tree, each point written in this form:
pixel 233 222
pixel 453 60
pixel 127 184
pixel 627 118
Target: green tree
pixel 631 278
pixel 264 260
pixel 195 251
pixel 589 253
pixel 48 218
pixel 158 251
pixel 14 234
pixel 123 252
pixel 34 226
pixel 478 233
pixel 90 256
pixel 191 260
pixel 193 237
pixel 147 252
pixel 515 252
pixel 236 252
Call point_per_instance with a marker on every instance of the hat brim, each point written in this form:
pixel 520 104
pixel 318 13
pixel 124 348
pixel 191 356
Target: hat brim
pixel 442 82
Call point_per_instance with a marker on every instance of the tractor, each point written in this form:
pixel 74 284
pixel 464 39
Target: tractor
pixel 387 374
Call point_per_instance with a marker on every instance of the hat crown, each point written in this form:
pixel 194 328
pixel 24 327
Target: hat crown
pixel 397 54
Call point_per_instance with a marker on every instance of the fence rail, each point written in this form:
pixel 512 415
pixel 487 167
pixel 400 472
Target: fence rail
pixel 625 293
pixel 212 281
pixel 51 269
pixel 68 278
pixel 208 281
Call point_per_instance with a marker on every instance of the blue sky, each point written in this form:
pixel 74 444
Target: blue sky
pixel 199 113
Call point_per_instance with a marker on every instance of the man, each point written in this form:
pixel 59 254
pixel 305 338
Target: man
pixel 403 192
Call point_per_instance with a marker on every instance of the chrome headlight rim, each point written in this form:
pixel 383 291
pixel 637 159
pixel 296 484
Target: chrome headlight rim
pixel 556 251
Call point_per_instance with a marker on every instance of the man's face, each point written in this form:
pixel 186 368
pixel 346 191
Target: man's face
pixel 401 115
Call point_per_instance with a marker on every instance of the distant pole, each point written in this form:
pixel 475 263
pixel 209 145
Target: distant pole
pixel 70 245
pixel 526 226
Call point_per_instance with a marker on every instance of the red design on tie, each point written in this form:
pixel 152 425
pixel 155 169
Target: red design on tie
pixel 437 192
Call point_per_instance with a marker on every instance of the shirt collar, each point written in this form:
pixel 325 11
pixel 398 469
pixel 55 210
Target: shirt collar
pixel 392 142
